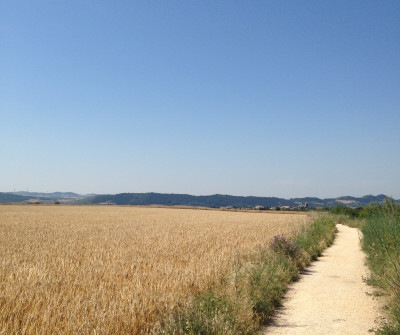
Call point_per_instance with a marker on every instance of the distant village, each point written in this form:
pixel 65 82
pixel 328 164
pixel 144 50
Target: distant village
pixel 299 207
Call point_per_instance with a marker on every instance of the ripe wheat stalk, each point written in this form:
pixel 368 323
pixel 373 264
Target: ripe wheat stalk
pixel 116 270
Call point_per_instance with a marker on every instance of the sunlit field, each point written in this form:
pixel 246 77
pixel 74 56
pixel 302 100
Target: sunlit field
pixel 117 270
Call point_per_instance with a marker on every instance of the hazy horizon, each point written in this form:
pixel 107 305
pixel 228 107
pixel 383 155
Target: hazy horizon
pixel 265 98
pixel 243 195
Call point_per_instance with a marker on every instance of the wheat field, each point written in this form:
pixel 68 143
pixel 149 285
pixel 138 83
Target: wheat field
pixel 117 270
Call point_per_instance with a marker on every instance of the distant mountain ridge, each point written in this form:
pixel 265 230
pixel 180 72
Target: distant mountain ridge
pixel 9 198
pixel 220 200
pixel 26 197
pixel 53 195
pixel 215 200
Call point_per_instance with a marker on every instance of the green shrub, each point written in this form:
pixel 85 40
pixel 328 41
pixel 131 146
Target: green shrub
pixel 281 245
pixel 314 239
pixel 381 243
pixel 267 282
pixel 207 314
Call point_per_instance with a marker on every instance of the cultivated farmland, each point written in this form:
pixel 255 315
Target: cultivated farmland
pixel 116 270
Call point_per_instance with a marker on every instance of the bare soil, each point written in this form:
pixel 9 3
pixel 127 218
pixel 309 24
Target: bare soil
pixel 331 296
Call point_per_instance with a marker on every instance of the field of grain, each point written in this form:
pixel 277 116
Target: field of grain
pixel 116 270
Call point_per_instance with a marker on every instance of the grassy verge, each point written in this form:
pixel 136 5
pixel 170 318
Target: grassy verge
pixel 381 243
pixel 247 297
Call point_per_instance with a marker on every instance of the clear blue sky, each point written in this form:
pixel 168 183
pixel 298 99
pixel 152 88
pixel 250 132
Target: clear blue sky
pixel 268 98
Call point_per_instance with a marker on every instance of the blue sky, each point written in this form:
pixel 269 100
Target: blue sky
pixel 268 98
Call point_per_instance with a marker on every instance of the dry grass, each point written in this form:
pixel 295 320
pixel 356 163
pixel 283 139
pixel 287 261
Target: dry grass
pixel 116 270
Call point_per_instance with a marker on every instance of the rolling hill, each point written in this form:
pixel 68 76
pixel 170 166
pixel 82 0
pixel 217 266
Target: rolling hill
pixel 10 198
pixel 215 200
pixel 219 200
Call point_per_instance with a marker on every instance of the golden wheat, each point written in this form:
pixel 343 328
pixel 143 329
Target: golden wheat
pixel 116 270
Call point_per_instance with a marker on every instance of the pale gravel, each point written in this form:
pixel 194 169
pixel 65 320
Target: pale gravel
pixel 331 296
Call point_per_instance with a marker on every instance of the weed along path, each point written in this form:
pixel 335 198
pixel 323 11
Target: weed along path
pixel 330 297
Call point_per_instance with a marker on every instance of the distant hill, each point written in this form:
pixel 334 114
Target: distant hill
pixel 45 198
pixel 9 198
pixel 219 200
pixel 346 201
pixel 53 195
pixel 216 200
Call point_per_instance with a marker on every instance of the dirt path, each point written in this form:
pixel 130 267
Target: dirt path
pixel 330 298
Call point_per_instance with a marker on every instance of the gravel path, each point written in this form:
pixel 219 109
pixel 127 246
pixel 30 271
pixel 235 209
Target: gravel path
pixel 330 297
